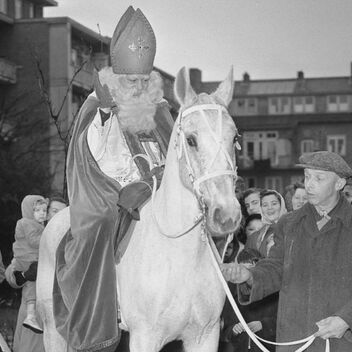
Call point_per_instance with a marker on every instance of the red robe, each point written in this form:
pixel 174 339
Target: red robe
pixel 85 297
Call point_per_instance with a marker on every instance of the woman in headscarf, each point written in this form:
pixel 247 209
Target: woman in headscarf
pixel 272 208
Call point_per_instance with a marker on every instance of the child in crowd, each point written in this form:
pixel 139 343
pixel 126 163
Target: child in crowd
pixel 26 250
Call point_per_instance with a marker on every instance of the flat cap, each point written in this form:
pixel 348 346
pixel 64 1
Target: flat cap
pixel 326 161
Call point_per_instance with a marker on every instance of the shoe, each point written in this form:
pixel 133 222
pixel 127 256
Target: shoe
pixel 31 323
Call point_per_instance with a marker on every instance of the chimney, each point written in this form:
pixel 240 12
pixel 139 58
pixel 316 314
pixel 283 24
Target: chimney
pixel 300 75
pixel 195 75
pixel 246 77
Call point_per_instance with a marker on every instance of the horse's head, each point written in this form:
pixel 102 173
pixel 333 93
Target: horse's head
pixel 205 142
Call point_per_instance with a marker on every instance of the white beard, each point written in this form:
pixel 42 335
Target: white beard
pixel 134 112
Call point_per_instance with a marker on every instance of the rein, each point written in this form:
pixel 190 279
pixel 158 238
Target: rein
pixel 306 341
pixel 181 148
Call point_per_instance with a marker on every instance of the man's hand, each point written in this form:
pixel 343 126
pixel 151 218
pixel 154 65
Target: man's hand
pixel 236 273
pixel 331 327
pixel 255 326
pixel 102 92
pixel 237 329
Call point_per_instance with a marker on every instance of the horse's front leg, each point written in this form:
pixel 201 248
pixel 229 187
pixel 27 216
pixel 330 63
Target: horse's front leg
pixel 207 343
pixel 145 341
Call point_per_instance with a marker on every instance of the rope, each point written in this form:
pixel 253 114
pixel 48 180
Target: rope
pixel 306 341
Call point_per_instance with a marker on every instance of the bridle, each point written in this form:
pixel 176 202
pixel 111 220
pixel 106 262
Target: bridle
pixel 181 149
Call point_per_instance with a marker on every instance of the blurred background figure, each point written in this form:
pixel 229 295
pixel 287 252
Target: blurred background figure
pixel 56 204
pixel 239 187
pixel 253 223
pixel 347 192
pixel 251 201
pixel 299 196
pixel 272 208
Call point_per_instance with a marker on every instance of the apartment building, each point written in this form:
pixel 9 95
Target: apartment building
pixel 283 118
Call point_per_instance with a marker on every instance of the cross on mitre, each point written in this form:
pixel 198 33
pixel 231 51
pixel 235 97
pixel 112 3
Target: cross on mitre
pixel 139 46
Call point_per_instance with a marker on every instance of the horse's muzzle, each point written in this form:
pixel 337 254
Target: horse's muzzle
pixel 221 221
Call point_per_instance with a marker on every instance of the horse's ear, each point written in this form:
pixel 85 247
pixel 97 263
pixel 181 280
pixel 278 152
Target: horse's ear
pixel 225 90
pixel 183 89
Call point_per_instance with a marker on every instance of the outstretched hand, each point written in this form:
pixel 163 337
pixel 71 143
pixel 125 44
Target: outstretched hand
pixel 331 327
pixel 254 326
pixel 102 92
pixel 236 273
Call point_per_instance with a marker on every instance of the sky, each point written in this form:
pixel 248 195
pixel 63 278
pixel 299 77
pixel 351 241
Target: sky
pixel 269 39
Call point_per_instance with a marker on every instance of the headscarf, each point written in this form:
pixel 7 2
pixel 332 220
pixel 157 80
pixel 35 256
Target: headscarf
pixel 283 209
pixel 27 205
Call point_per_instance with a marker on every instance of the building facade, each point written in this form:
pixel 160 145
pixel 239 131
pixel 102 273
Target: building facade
pixel 281 119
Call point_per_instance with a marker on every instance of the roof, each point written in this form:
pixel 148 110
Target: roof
pixel 305 86
pixel 45 2
pixel 79 28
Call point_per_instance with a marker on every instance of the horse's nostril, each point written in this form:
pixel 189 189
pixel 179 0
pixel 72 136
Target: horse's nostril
pixel 217 215
pixel 222 218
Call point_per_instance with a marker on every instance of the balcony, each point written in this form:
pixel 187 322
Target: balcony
pixel 7 72
pixel 282 162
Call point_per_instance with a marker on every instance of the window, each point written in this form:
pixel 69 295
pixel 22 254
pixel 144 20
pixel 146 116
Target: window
pixel 337 144
pixel 240 103
pixel 279 105
pixel 30 10
pixel 307 146
pixel 18 9
pixel 338 103
pixel 251 105
pixel 274 182
pixel 74 57
pixel 3 6
pixel 250 149
pixel 251 182
pixel 246 106
pixel 303 104
pixel 260 145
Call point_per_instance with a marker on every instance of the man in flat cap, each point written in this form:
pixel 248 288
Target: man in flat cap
pixel 125 116
pixel 310 263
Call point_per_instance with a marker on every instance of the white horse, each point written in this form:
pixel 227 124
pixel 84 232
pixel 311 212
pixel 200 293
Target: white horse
pixel 167 284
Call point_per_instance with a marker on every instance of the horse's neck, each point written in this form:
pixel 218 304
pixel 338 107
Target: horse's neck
pixel 175 206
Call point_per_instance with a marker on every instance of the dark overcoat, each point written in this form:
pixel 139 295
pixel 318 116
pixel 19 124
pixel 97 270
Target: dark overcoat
pixel 312 269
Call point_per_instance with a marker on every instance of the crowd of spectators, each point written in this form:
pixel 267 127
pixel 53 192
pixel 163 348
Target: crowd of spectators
pixel 261 208
pixel 21 273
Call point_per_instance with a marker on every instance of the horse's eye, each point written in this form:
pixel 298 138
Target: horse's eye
pixel 235 139
pixel 191 140
pixel 236 142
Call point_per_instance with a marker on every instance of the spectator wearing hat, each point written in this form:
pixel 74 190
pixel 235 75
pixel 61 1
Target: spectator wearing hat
pixel 310 263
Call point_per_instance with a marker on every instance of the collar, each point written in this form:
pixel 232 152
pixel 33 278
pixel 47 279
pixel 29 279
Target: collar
pixel 341 211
